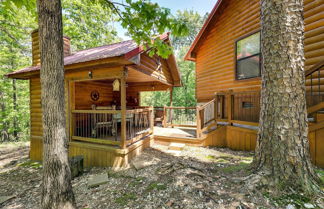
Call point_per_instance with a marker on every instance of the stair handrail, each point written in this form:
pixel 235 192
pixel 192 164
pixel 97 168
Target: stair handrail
pixel 314 68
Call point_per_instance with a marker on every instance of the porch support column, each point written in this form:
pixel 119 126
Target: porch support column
pixel 171 96
pixel 123 108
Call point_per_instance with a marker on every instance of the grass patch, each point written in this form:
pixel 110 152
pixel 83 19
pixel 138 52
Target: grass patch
pixel 118 174
pixel 137 181
pixel 156 186
pixel 320 172
pixel 220 159
pixel 125 198
pixel 235 168
pixel 297 200
pixel 31 164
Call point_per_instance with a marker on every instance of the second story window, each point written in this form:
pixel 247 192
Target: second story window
pixel 248 57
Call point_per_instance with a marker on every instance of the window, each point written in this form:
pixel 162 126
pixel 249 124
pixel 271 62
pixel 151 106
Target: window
pixel 248 57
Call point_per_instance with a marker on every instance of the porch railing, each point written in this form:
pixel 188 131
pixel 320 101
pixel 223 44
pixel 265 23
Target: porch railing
pixel 139 123
pixel 315 84
pixel 105 126
pixel 179 117
pixel 201 117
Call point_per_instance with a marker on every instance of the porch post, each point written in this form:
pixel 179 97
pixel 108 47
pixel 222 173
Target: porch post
pixel 123 108
pixel 171 96
pixel 229 98
pixel 70 88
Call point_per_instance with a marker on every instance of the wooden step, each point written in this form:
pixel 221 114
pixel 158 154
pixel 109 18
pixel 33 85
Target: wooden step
pixel 176 146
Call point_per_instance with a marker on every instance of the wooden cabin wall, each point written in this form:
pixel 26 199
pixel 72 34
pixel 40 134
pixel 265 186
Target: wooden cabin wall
pixel 215 54
pixel 36 130
pixel 83 91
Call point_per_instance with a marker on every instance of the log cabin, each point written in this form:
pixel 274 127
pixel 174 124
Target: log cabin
pixel 228 69
pixel 104 120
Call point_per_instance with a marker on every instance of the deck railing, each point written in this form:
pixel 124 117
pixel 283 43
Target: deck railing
pixel 201 117
pixel 104 126
pixel 315 84
pixel 180 117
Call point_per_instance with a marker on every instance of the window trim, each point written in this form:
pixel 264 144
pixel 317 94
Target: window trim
pixel 236 60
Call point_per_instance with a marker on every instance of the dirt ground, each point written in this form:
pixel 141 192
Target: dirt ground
pixel 194 178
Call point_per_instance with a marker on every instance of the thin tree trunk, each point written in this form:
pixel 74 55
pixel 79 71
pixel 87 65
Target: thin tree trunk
pixel 282 152
pixel 56 186
pixel 14 100
pixel 4 136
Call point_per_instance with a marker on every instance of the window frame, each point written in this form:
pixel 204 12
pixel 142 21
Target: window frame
pixel 236 60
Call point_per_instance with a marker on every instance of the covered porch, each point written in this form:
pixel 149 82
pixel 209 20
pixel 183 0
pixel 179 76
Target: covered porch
pixel 107 111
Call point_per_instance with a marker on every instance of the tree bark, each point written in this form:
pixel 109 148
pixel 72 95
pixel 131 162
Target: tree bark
pixel 14 100
pixel 282 151
pixel 56 186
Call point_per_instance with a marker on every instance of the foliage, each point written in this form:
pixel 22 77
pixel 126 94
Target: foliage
pixel 145 21
pixel 88 24
pixel 14 54
pixel 193 21
pixel 185 95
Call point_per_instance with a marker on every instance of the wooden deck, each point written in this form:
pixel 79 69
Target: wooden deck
pixel 189 133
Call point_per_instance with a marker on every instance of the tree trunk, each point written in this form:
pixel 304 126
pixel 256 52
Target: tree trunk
pixel 14 100
pixel 56 186
pixel 282 152
pixel 4 136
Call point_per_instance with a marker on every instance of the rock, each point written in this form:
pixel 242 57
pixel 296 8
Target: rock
pixel 308 205
pixel 140 163
pixel 290 206
pixel 76 165
pixel 5 198
pixel 97 180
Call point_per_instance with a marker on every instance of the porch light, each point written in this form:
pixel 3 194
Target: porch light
pixel 116 85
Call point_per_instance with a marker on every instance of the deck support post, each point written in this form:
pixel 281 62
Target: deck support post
pixel 151 115
pixel 216 108
pixel 198 118
pixel 164 117
pixel 71 106
pixel 229 109
pixel 123 109
pixel 171 96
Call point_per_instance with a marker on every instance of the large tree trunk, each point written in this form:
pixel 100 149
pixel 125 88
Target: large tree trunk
pixel 282 152
pixel 56 185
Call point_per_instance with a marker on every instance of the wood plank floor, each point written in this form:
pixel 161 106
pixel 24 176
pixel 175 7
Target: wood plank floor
pixel 175 132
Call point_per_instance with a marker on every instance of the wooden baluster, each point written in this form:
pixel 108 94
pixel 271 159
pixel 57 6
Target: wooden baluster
pixel 319 86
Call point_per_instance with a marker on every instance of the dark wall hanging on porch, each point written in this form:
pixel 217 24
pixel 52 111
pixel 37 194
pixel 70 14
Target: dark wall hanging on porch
pixel 94 95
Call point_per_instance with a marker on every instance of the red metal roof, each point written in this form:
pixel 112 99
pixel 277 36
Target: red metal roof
pixel 101 52
pixel 128 49
pixel 202 30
